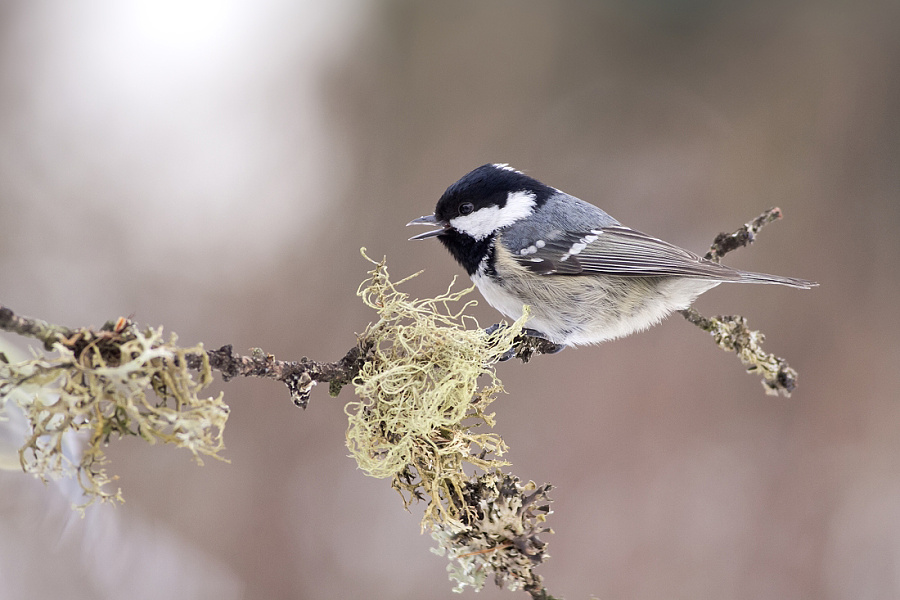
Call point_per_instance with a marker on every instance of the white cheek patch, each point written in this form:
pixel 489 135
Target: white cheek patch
pixel 485 221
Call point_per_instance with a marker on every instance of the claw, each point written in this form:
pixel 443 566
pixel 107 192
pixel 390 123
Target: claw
pixel 511 353
pixel 493 328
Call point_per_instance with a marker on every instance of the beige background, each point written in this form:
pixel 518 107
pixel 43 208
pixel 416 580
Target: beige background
pixel 215 167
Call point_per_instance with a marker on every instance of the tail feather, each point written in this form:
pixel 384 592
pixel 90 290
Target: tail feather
pixel 750 277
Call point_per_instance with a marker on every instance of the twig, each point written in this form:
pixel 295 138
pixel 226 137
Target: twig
pixel 41 330
pixel 726 242
pixel 731 332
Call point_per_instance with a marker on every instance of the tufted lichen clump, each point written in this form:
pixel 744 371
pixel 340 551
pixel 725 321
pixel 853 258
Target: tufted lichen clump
pixel 499 535
pixel 419 398
pixel 110 383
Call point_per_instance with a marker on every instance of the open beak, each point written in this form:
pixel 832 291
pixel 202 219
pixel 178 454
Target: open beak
pixel 428 220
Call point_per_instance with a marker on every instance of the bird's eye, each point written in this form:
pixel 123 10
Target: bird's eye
pixel 466 208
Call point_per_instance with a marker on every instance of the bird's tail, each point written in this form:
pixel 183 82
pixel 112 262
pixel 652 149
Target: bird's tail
pixel 749 277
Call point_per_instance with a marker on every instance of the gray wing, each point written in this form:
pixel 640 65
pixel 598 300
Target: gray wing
pixel 616 250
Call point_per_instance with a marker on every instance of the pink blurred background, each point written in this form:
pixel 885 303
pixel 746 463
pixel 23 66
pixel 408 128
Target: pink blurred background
pixel 215 166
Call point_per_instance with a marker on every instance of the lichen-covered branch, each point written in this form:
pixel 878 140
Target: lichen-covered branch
pixel 731 332
pixel 299 376
pixel 115 382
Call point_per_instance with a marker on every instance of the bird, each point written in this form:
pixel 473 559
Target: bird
pixel 586 277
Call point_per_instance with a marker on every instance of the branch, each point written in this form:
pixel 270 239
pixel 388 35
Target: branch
pixel 299 376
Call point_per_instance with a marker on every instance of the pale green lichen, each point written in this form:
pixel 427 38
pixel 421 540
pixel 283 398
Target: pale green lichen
pixel 419 396
pixel 108 384
pixel 419 403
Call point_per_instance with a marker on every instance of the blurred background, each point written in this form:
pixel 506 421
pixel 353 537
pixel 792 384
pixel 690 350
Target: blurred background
pixel 214 166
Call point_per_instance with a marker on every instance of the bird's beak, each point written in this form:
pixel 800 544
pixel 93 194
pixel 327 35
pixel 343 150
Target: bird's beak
pixel 428 220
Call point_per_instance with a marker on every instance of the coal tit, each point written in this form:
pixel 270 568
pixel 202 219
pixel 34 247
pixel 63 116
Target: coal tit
pixel 586 277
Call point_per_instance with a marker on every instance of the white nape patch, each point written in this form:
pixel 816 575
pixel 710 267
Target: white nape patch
pixel 506 167
pixel 485 221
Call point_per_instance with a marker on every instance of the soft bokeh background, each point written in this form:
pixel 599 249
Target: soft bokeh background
pixel 215 166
